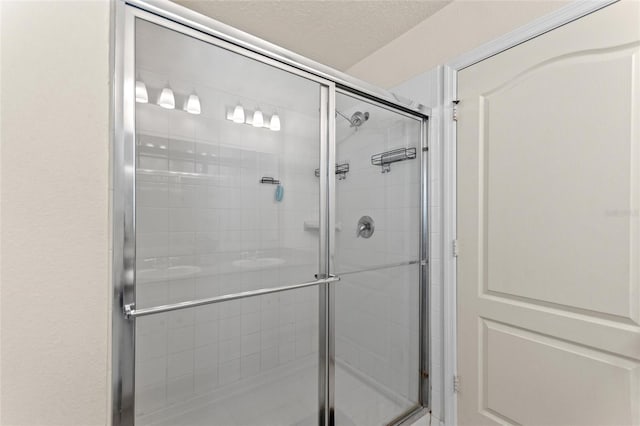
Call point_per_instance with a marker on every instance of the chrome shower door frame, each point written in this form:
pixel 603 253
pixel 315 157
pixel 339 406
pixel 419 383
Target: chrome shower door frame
pixel 424 394
pixel 123 207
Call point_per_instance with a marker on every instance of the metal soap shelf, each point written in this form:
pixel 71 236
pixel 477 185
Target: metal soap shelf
pixel 341 171
pixel 270 180
pixel 385 159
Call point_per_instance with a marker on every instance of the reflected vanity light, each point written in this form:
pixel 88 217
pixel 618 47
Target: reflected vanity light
pixel 166 99
pixel 141 93
pixel 274 124
pixel 238 114
pixel 258 119
pixel 253 118
pixel 193 104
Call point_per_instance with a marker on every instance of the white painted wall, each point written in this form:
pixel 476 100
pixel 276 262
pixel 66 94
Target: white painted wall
pixel 54 198
pixel 455 29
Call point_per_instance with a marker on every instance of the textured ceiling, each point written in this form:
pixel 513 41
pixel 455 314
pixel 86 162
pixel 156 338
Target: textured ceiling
pixel 335 33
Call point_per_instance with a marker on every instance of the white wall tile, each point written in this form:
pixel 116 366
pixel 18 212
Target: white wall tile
pixel 179 364
pixel 149 219
pixel 269 357
pixel 250 344
pixel 206 359
pixel 229 349
pixel 150 398
pixel 180 389
pixel 180 339
pixel 151 371
pixel 250 365
pixel 229 371
pixel 206 333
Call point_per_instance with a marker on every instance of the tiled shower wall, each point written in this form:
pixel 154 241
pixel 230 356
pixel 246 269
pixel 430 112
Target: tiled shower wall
pixel 377 316
pixel 206 227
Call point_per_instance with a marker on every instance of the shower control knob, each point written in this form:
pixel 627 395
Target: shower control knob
pixel 366 226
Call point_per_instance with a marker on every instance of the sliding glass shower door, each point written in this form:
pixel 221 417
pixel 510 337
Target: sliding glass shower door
pixel 269 241
pixel 226 202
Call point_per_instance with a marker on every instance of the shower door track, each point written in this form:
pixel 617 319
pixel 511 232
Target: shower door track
pixel 183 20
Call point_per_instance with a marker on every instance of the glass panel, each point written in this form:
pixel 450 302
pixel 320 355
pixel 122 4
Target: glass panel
pixel 207 226
pixel 377 304
pixel 244 362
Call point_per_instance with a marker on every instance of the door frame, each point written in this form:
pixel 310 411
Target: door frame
pixel 564 15
pixel 122 206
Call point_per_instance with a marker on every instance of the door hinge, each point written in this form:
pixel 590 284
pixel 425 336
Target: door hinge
pixel 454 248
pixel 454 110
pixel 456 384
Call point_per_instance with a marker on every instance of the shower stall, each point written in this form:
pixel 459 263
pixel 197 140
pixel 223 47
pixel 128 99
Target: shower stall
pixel 269 244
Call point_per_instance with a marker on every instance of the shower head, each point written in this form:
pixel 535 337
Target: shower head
pixel 357 119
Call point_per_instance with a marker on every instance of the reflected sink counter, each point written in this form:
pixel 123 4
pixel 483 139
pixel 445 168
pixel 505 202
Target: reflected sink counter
pixel 163 269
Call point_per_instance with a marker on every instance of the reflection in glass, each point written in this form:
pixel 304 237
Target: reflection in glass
pixel 207 226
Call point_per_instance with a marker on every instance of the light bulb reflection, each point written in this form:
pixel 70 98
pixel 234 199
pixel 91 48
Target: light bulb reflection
pixel 193 104
pixel 274 124
pixel 166 99
pixel 238 114
pixel 258 119
pixel 141 93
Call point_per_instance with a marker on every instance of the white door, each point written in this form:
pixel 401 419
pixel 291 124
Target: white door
pixel 549 228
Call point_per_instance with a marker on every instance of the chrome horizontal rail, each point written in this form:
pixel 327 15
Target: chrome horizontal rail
pixel 379 267
pixel 131 312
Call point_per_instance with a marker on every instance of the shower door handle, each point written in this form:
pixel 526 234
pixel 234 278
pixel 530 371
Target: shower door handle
pixel 130 310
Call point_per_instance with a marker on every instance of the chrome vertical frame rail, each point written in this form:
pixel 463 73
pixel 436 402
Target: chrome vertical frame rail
pixel 331 243
pixel 323 258
pixel 326 345
pixel 123 216
pixel 425 362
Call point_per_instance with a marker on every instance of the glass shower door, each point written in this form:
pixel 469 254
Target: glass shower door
pixel 230 219
pixel 226 202
pixel 377 257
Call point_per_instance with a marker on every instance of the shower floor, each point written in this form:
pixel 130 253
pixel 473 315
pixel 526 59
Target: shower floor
pixel 289 400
